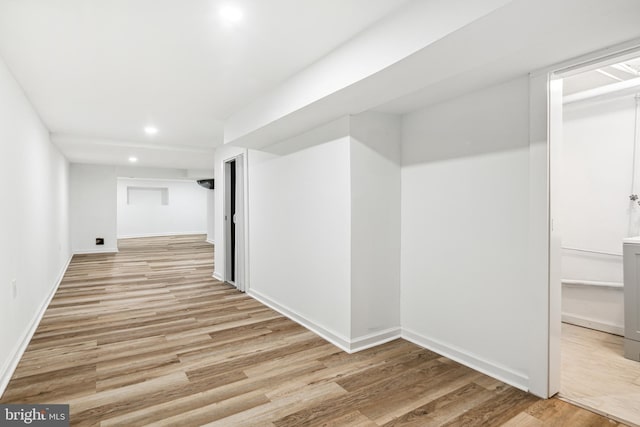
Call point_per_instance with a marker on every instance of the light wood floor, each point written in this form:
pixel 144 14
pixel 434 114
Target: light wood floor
pixel 146 336
pixel 596 375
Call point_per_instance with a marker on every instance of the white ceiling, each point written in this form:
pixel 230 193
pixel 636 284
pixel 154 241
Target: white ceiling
pixel 506 40
pixel 97 71
pixel 525 36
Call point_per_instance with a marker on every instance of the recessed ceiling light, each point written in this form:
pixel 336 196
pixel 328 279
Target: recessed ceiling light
pixel 133 159
pixel 150 130
pixel 231 14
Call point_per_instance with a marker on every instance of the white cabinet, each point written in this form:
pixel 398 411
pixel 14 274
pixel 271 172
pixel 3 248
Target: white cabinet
pixel 632 298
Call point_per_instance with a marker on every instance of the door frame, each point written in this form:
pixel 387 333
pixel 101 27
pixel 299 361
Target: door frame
pixel 545 98
pixel 240 257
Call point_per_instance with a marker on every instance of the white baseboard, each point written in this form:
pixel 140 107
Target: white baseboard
pixel 210 241
pixel 95 251
pixel 504 374
pixel 218 276
pixel 333 337
pixel 598 325
pixel 375 339
pixel 339 340
pixel 179 233
pixel 9 368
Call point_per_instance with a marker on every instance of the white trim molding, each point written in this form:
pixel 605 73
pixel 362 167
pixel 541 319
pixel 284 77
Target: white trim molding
pixel 334 338
pixel 597 324
pixel 516 379
pixel 179 233
pixel 95 251
pixel 374 339
pixel 9 368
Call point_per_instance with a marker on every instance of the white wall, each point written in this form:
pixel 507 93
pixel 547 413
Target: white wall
pixel 375 224
pixel 595 307
pixel 597 166
pixel 34 221
pixel 300 225
pixel 596 211
pixel 93 208
pixel 465 225
pixel 184 213
pixel 324 224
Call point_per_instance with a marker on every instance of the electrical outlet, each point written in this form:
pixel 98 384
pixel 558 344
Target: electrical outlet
pixel 14 288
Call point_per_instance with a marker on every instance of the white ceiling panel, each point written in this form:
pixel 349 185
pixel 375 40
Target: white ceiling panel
pixel 105 69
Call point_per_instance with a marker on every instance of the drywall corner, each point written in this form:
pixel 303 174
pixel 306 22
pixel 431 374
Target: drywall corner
pixel 93 208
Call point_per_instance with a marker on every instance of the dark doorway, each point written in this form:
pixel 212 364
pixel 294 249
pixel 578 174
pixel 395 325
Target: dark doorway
pixel 232 217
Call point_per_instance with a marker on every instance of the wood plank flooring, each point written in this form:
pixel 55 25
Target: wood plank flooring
pixel 147 337
pixel 596 375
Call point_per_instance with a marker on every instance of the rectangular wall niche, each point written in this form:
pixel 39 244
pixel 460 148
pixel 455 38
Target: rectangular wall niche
pixel 147 196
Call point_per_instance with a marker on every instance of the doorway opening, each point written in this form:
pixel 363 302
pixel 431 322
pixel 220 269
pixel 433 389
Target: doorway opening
pixel 594 178
pixel 234 222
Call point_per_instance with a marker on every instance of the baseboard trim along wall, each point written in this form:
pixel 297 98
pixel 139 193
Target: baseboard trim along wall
pixel 594 305
pixel 598 325
pixel 340 341
pixel 333 337
pixel 95 251
pixel 181 233
pixel 7 371
pixel 217 276
pixel 515 379
pixel 210 241
pixel 375 339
